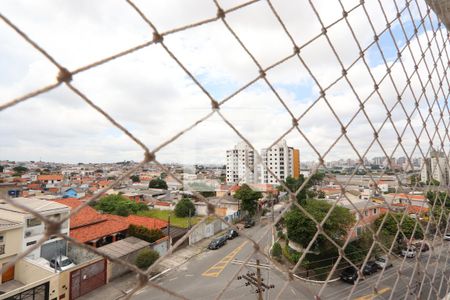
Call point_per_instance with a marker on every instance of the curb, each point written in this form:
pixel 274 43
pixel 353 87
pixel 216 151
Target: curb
pixel 314 281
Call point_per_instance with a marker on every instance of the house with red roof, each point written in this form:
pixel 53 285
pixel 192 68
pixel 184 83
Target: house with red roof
pixel 93 228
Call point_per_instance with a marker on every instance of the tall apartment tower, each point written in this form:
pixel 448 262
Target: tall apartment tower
pixel 282 160
pixel 435 167
pixel 240 167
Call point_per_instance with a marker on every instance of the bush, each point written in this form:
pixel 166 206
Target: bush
pixel 146 258
pixel 280 234
pixel 185 208
pixel 276 250
pixel 143 233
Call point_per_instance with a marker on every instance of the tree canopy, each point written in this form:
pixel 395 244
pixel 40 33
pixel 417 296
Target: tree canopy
pixel 390 226
pixel 301 229
pixel 20 170
pixel 135 178
pixel 158 183
pixel 249 199
pixel 295 183
pixel 185 208
pixel 119 205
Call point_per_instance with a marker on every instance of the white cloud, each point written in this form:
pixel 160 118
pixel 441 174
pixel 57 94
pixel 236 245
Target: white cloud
pixel 150 95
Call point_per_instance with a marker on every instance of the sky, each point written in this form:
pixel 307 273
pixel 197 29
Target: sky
pixel 149 94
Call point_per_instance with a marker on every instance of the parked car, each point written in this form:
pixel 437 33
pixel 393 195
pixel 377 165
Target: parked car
pixel 422 246
pixel 249 223
pixel 383 262
pixel 231 234
pixel 370 268
pixel 409 252
pixel 349 275
pixel 61 263
pixel 217 243
pixel 447 236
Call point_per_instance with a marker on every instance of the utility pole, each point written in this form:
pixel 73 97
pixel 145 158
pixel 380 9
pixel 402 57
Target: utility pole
pixel 256 281
pixel 259 290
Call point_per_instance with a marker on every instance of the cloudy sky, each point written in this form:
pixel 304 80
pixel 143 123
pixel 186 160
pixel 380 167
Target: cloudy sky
pixel 150 95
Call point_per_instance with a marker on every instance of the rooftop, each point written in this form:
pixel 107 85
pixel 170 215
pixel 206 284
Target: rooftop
pixel 31 203
pixel 123 247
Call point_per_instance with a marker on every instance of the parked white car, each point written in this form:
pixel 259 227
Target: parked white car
pixel 410 252
pixel 61 263
pixel 383 262
pixel 447 236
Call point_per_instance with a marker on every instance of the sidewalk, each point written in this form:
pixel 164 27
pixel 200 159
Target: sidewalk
pixel 117 288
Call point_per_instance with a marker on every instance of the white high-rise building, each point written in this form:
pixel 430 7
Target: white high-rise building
pixel 435 167
pixel 282 160
pixel 240 166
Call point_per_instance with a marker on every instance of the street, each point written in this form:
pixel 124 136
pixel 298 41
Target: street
pixel 206 275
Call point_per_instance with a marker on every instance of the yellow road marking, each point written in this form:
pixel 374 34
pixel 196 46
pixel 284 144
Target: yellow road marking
pixel 373 295
pixel 217 268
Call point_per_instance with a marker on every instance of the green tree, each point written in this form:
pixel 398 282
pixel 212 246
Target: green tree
pixel 276 250
pixel 407 226
pixel 143 233
pixel 135 178
pixel 146 258
pixel 119 205
pixel 19 170
pixel 157 183
pixel 249 199
pixel 301 229
pixel 185 208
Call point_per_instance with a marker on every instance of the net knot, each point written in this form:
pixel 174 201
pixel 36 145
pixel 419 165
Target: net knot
pixel 52 227
pixel 157 38
pixel 149 156
pixel 215 105
pixel 220 13
pixel 64 75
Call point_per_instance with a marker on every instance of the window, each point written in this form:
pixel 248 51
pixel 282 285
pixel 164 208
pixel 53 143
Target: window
pixel 366 213
pixel 1 239
pixel 374 211
pixel 31 243
pixel 33 222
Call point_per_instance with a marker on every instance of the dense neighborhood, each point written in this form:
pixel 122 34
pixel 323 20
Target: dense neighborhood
pixel 140 218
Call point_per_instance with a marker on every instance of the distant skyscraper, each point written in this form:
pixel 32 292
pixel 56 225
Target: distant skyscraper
pixel 282 160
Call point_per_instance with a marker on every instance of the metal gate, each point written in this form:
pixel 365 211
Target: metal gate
pixel 87 279
pixel 54 249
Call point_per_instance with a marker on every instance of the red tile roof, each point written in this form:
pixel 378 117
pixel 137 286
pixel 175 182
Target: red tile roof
pixel 98 230
pixel 50 177
pixel 150 223
pixel 87 215
pixel 88 224
pixel 410 197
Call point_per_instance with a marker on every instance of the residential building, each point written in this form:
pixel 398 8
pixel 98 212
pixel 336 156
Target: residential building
pixel 435 167
pixel 283 161
pixel 240 164
pixel 11 235
pixel 33 228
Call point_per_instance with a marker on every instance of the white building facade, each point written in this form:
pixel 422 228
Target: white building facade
pixel 283 161
pixel 240 165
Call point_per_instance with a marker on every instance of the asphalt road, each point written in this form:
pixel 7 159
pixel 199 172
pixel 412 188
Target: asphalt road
pixel 208 274
pixel 392 286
